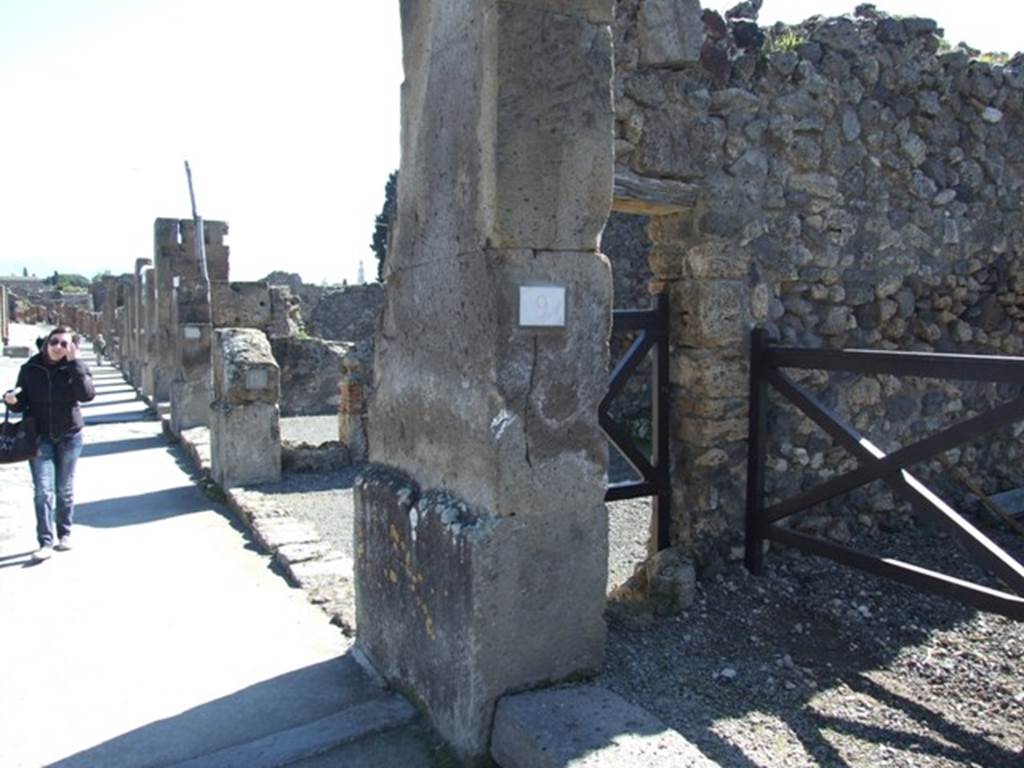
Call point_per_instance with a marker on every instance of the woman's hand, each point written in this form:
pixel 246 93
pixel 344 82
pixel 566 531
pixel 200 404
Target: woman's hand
pixel 71 352
pixel 11 397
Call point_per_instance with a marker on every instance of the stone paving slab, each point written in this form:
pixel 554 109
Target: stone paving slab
pixel 275 533
pixel 585 727
pixel 311 739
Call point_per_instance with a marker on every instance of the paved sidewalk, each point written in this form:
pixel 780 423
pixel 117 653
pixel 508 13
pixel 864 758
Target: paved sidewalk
pixel 164 636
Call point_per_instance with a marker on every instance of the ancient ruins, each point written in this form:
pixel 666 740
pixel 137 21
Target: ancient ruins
pixel 848 182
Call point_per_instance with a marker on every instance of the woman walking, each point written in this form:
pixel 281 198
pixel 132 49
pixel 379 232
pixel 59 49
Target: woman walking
pixel 50 387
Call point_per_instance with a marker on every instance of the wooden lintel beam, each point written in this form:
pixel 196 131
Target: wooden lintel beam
pixel 650 196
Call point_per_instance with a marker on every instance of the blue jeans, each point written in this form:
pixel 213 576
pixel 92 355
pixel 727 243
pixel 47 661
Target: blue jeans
pixel 56 460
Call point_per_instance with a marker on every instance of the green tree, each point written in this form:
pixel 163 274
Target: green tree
pixel 383 223
pixel 68 283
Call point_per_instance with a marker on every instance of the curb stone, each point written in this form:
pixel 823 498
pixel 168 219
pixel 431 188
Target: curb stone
pixel 312 565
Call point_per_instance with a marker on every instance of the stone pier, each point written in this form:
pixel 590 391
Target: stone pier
pixel 4 315
pixel 481 530
pixel 191 320
pixel 137 319
pixel 245 435
pixel 150 351
pixel 108 307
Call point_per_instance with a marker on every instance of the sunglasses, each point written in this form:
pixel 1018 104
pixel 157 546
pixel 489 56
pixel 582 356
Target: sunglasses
pixel 59 343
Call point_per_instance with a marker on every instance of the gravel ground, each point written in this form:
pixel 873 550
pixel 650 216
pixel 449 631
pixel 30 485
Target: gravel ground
pixel 818 664
pixel 323 499
pixel 812 664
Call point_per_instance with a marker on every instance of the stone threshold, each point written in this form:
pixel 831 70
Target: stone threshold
pixel 311 564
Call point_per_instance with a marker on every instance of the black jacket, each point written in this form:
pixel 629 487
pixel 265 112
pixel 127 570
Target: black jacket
pixel 51 394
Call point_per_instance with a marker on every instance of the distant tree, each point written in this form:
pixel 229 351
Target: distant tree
pixel 98 277
pixel 383 223
pixel 24 271
pixel 68 283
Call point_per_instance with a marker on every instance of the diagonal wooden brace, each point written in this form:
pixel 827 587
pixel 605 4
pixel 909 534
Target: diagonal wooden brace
pixel 904 484
pixel 957 434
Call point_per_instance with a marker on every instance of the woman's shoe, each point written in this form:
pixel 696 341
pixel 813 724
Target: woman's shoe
pixel 64 544
pixel 43 553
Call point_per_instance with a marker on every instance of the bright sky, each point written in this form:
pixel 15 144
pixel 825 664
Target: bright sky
pixel 287 112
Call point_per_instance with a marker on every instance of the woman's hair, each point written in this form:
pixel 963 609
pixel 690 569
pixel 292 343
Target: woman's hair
pixel 58 331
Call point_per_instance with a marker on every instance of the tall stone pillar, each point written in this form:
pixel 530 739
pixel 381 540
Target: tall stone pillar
pixel 108 307
pixel 245 434
pixel 5 333
pixel 122 316
pixel 481 530
pixel 137 329
pixel 149 337
pixel 127 340
pixel 191 319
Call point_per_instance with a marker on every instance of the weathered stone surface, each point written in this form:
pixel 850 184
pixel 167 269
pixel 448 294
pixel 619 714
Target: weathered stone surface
pixel 524 163
pixel 245 444
pixel 244 368
pixel 149 338
pixel 713 313
pixel 585 727
pixel 240 305
pixel 277 532
pixel 245 437
pixel 192 386
pixel 506 182
pixel 311 373
pixel 455 607
pixel 293 553
pixel 349 314
pixel 543 387
pixel 671 32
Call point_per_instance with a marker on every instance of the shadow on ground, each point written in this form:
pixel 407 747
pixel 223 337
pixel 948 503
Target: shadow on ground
pixel 110 447
pixel 265 708
pixel 141 508
pixel 817 664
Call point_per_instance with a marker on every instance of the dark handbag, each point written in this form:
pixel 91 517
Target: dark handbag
pixel 17 439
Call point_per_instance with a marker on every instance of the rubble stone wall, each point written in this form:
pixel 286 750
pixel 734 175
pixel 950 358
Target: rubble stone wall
pixel 311 374
pixel 858 185
pixel 348 314
pixel 240 305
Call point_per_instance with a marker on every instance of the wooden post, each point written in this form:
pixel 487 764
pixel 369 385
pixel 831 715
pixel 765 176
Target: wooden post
pixel 756 453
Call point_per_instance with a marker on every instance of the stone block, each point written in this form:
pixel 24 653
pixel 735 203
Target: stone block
pixel 586 727
pixel 277 532
pixel 523 403
pixel 352 417
pixel 240 305
pixel 349 314
pixel 671 32
pixel 311 374
pixel 244 369
pixel 709 374
pixel 13 350
pixel 148 377
pixel 711 313
pixel 529 162
pixel 245 444
pixel 440 586
pixel 190 404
